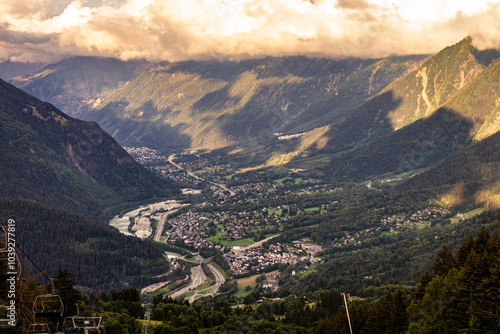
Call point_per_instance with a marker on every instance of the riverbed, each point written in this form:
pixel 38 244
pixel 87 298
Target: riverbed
pixel 122 223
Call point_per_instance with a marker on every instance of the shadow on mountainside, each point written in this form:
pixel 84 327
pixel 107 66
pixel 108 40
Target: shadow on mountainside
pixel 470 177
pixel 369 121
pixel 141 129
pixel 418 145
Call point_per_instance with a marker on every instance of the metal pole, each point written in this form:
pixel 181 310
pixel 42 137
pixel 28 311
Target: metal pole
pixel 347 310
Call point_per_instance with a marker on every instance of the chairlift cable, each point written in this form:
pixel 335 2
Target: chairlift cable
pixel 36 266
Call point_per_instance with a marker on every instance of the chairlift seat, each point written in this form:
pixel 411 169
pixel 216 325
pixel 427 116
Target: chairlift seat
pixel 48 306
pixel 38 328
pixel 83 325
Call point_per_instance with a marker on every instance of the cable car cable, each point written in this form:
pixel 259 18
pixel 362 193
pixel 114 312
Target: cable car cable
pixel 29 259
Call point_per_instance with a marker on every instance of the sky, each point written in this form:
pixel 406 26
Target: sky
pixel 175 30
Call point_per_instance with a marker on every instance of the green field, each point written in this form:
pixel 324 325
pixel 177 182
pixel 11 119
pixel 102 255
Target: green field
pixel 309 270
pixel 202 292
pixel 276 212
pixel 473 213
pixel 187 294
pixel 193 261
pixel 202 286
pixel 467 215
pixel 241 242
pixel 241 290
pixel 296 181
pixel 419 227
pixel 217 239
pixel 152 323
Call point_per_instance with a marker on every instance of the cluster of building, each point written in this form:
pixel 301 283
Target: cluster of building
pixel 271 281
pixel 255 260
pixel 193 228
pixel 392 224
pixel 144 155
pixel 171 172
pixel 420 217
pixel 213 166
pixel 356 238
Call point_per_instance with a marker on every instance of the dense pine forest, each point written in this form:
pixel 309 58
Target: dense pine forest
pixel 97 255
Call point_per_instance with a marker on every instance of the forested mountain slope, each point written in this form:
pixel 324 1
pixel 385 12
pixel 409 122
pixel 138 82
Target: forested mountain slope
pixel 99 256
pixel 470 177
pixel 63 162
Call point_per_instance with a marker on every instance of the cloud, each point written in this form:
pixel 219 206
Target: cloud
pixel 234 29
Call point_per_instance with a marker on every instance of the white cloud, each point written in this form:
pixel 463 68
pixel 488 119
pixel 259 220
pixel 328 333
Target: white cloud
pixel 176 30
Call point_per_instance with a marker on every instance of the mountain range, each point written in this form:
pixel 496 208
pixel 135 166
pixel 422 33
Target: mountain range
pixel 349 119
pixel 216 104
pixel 466 114
pixel 60 161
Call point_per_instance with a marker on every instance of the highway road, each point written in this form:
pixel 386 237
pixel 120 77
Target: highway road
pixel 219 280
pixel 220 185
pixel 197 278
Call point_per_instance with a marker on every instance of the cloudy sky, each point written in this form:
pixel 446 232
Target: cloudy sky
pixel 48 30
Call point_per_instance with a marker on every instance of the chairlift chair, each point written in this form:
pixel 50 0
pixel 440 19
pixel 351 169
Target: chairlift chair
pixel 83 325
pixel 38 328
pixel 49 305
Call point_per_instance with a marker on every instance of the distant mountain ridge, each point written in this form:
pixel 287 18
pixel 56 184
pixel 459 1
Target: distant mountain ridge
pixel 76 85
pixel 11 69
pixel 52 158
pixel 209 105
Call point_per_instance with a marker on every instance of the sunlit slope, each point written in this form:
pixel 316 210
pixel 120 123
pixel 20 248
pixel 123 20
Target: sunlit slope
pixel 211 105
pixel 412 97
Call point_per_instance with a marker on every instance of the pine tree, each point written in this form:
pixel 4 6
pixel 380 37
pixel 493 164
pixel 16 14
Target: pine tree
pixel 444 262
pixel 65 283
